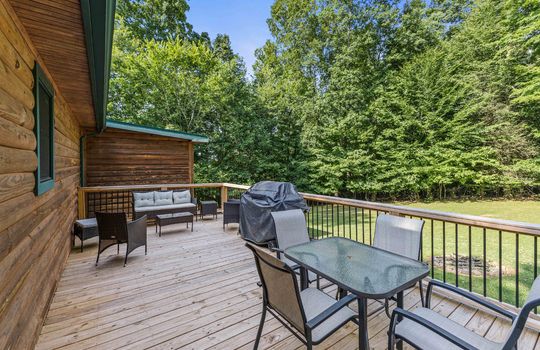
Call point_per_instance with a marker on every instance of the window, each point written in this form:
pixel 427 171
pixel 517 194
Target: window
pixel 44 130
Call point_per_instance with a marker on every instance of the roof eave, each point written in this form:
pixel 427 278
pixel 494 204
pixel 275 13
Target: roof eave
pixel 98 20
pixel 156 131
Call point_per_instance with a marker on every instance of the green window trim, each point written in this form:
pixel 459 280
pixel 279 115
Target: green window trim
pixel 41 82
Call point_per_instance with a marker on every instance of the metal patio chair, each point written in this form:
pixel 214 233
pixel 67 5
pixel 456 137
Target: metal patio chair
pixel 310 314
pixel 114 229
pixel 401 236
pixel 291 230
pixel 424 328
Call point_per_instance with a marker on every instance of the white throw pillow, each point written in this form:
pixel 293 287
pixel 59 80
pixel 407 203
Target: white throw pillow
pixel 143 199
pixel 182 197
pixel 163 197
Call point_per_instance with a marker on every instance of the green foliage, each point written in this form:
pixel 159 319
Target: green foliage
pixel 424 100
pixel 371 98
pixel 154 19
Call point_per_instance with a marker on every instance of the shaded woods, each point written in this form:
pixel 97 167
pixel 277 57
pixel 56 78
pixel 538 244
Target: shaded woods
pixel 373 99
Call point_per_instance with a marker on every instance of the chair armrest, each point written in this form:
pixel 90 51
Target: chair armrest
pixel 323 316
pixel 194 200
pixel 276 250
pixel 137 228
pixel 470 296
pixel 429 325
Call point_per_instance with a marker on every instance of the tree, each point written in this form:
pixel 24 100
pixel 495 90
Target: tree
pixel 154 19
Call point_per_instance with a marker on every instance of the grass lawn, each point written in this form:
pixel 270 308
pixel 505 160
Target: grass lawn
pixel 358 225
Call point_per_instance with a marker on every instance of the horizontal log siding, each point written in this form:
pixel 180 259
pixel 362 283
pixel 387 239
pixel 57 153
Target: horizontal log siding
pixel 34 231
pixel 127 158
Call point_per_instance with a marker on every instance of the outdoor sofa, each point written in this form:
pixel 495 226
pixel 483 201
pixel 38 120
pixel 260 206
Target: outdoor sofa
pixel 154 203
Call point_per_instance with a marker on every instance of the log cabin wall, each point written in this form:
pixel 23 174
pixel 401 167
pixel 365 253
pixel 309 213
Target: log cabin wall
pixel 34 230
pixel 118 157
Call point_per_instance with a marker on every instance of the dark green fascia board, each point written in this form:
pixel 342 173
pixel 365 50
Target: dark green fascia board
pixel 98 20
pixel 156 131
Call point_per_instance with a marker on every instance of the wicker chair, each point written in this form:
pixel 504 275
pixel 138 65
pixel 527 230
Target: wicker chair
pixel 231 212
pixel 114 229
pixel 310 314
pixel 424 328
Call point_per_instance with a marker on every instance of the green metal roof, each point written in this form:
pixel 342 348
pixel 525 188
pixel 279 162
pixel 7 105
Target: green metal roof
pixel 98 20
pixel 156 131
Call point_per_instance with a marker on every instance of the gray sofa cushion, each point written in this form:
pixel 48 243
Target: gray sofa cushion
pixel 143 199
pixel 165 207
pixel 163 197
pixel 182 197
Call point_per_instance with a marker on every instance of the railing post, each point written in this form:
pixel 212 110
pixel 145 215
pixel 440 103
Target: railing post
pixel 81 203
pixel 224 195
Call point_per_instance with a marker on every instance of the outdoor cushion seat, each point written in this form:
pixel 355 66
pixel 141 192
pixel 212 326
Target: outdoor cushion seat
pixel 162 202
pixel 166 207
pixel 163 198
pixel 87 223
pixel 182 197
pixel 315 302
pixel 423 338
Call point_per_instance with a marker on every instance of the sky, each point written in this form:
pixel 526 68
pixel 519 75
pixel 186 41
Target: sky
pixel 243 20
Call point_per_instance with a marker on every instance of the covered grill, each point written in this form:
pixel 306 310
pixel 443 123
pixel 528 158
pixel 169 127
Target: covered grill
pixel 263 198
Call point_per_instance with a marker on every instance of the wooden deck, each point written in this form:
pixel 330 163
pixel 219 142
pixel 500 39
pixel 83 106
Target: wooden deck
pixel 196 291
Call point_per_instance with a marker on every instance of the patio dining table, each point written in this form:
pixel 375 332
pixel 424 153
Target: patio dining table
pixel 365 271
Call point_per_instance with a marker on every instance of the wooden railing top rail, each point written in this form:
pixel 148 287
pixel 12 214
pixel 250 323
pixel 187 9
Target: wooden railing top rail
pixel 464 219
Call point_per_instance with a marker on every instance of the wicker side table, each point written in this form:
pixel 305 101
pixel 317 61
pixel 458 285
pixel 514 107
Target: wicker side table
pixel 209 208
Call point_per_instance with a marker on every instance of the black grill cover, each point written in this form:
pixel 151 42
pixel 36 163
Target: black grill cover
pixel 256 223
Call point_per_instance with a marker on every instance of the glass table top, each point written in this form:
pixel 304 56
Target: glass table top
pixel 361 269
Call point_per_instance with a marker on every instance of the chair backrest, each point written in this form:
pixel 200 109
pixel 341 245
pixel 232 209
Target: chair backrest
pixel 231 208
pixel 280 288
pixel 399 235
pixel 290 227
pixel 532 301
pixel 112 226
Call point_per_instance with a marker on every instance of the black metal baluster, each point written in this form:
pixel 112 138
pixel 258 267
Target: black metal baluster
pixel 332 219
pixel 432 252
pixel 326 207
pixel 500 265
pixel 485 262
pixel 517 270
pixel 337 209
pixel 322 219
pixel 317 219
pixel 457 265
pixel 310 218
pixel 444 250
pixel 350 226
pixel 356 222
pixel 369 212
pixel 421 245
pixel 363 228
pixel 535 263
pixel 470 258
pixel 344 222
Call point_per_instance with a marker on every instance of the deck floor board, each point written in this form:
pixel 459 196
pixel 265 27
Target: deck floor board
pixel 197 290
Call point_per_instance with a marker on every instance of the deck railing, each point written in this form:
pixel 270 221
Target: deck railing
pixel 494 258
